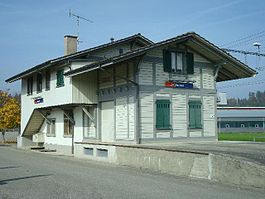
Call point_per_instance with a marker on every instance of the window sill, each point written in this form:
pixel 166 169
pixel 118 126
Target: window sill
pixel 165 128
pixel 195 128
pixel 50 135
pixel 67 136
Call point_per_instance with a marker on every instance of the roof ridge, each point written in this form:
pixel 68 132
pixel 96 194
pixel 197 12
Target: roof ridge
pixel 51 61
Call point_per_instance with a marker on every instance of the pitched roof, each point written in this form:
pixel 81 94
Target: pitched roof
pixel 231 69
pixel 78 54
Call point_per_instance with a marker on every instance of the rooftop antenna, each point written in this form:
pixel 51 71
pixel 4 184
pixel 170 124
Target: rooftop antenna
pixel 78 17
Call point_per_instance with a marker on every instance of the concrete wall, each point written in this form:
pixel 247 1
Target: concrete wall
pixel 220 168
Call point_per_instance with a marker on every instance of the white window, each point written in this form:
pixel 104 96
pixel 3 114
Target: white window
pixel 180 62
pixel 173 61
pixel 51 127
pixel 177 62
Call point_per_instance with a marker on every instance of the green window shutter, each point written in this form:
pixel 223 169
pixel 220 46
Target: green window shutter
pixel 192 122
pixel 167 61
pixel 60 78
pixel 190 63
pixel 162 114
pixel 195 114
pixel 159 116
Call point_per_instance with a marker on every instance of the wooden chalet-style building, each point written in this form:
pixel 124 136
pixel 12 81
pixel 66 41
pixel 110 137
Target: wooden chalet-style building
pixel 129 91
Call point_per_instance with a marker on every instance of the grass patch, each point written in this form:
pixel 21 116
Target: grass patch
pixel 242 136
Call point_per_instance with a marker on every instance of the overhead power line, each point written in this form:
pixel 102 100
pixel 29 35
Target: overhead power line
pixel 242 84
pixel 244 39
pixel 244 52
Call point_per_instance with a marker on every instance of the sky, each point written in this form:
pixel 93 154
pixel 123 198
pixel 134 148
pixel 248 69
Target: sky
pixel 32 31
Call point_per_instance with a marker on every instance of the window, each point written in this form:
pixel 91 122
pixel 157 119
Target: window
pixel 256 125
pixel 60 78
pixel 68 125
pixel 39 82
pixel 48 80
pixel 195 114
pixel 178 62
pixel 51 127
pixel 163 114
pixel 227 126
pixel 30 85
pixel 120 51
pixel 242 125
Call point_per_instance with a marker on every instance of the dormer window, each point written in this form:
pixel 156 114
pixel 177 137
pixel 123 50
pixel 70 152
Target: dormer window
pixel 178 62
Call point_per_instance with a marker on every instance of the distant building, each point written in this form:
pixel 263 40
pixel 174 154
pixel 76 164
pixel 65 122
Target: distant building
pixel 241 119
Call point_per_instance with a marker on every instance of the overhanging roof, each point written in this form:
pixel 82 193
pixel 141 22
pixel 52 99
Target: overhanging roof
pixel 138 37
pixel 231 68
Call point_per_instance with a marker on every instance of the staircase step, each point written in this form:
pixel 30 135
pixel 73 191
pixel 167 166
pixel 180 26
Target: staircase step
pixel 48 150
pixel 37 148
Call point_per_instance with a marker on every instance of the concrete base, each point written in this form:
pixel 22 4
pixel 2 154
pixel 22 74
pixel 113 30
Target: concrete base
pixel 221 168
pixel 67 150
pixel 96 152
pixel 25 142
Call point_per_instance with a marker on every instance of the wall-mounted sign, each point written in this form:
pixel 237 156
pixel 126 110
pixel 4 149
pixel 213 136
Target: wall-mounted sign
pixel 38 100
pixel 179 84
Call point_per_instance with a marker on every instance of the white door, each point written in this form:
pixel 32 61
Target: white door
pixel 107 121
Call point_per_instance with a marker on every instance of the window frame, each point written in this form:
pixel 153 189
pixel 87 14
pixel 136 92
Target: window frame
pixel 68 129
pixel 164 102
pixel 170 56
pixel 195 110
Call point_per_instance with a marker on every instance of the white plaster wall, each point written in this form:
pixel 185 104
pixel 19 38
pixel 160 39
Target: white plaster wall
pixel 59 138
pixel 52 97
pixel 78 128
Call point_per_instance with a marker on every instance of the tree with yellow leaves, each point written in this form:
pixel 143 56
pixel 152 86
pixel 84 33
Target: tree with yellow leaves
pixel 9 112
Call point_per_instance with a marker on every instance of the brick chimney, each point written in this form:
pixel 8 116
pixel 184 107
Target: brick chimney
pixel 70 44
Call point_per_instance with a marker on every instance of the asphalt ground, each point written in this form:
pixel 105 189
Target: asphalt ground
pixel 32 175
